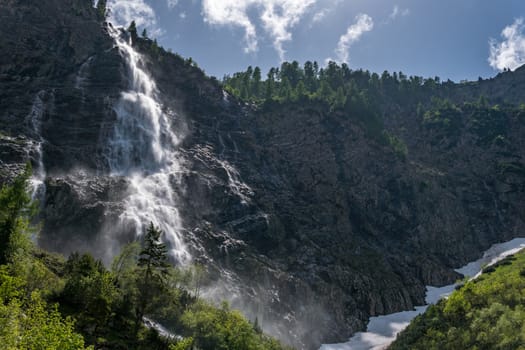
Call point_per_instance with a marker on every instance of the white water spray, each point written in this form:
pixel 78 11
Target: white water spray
pixel 236 185
pixel 144 149
pixel 83 74
pixel 34 121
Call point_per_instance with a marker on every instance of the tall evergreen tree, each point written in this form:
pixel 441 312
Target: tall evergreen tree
pixel 153 262
pixel 256 84
pixel 102 9
pixel 132 29
pixel 270 84
pixel 310 76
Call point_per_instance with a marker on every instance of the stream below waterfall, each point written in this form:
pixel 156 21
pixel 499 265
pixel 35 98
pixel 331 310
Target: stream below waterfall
pixel 382 330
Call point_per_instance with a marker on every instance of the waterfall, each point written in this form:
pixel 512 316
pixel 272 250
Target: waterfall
pixel 34 121
pixel 144 149
pixel 236 185
pixel 83 75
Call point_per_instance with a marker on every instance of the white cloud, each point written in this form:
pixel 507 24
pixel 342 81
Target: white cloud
pixel 278 17
pixel 509 53
pixel 182 15
pixel 319 16
pixel 172 3
pixel 363 24
pixel 122 12
pixel 234 13
pixel 324 12
pixel 398 12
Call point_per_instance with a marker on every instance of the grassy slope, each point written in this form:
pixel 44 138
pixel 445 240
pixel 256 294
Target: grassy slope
pixel 486 313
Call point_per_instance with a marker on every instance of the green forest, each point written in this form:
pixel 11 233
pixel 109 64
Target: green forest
pixel 334 84
pixel 485 313
pixel 50 302
pixel 372 99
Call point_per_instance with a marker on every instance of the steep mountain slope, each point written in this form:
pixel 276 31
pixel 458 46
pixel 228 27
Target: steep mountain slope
pixel 304 217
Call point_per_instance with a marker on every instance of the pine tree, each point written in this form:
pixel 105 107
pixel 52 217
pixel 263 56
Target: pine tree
pixel 300 90
pixel 270 84
pixel 154 271
pixel 256 84
pixel 154 255
pixel 101 10
pixel 132 29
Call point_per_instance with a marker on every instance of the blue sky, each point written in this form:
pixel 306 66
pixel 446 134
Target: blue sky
pixel 452 39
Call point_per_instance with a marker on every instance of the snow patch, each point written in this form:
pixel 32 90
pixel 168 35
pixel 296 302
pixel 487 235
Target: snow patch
pixel 382 330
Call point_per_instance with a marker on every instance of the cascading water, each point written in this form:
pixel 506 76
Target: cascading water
pixel 83 75
pixel 34 121
pixel 144 149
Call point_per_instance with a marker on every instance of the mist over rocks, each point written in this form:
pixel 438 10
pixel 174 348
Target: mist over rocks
pixel 304 220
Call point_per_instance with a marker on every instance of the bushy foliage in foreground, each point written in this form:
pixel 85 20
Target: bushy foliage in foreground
pixel 486 313
pixel 27 321
pixel 47 302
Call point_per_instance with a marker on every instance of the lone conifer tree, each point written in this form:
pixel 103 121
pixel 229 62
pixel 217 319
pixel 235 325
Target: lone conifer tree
pixel 132 29
pixel 153 262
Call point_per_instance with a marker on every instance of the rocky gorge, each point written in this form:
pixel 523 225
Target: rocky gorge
pixel 302 217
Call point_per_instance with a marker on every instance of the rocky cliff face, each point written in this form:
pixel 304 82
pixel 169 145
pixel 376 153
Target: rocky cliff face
pixel 303 219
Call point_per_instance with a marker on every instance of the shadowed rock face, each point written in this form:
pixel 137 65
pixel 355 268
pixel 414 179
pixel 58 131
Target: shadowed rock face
pixel 303 219
pixel 47 44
